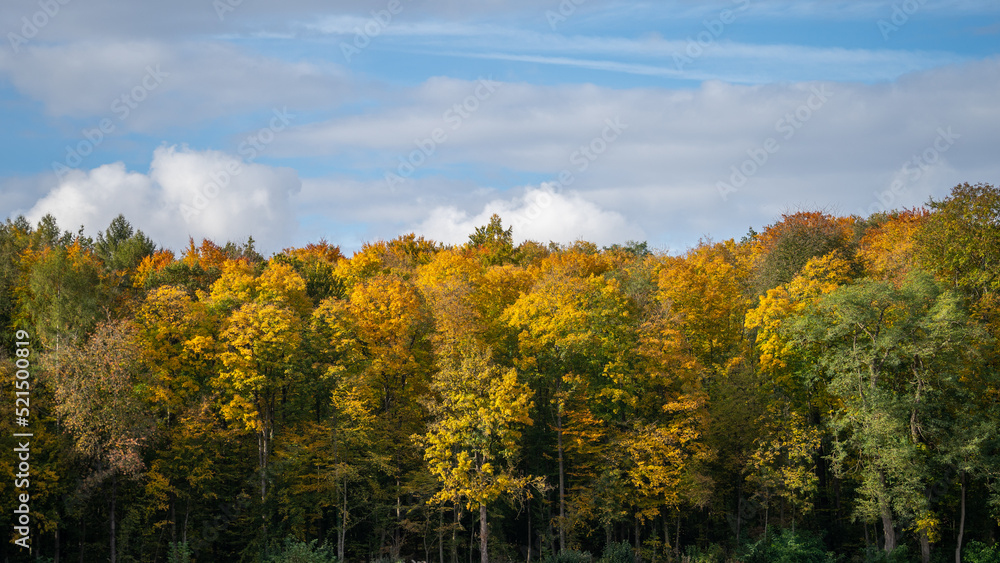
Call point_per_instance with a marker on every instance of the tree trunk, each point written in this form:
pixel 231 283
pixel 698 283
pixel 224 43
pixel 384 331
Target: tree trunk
pixel 961 524
pixel 677 541
pixel 739 512
pixel 925 547
pixel 55 558
pixel 888 527
pixel 262 462
pixel 484 533
pixel 397 540
pixel 440 537
pixel 342 529
pixel 114 497
pixel 529 528
pixel 562 481
pixel 454 535
pixel 173 519
pixel 638 539
pixel 888 530
pixel 666 535
pixel 472 536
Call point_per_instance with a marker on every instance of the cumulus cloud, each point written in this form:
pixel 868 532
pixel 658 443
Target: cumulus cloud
pixel 186 193
pixel 541 214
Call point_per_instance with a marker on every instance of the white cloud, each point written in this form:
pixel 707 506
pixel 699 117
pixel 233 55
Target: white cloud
pixel 539 214
pixel 186 193
pixel 145 85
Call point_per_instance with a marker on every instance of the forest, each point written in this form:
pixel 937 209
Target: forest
pixel 825 389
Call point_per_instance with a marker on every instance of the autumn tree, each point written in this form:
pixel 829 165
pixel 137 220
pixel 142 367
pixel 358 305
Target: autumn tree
pixel 783 248
pixel 261 339
pixel 472 442
pixel 98 393
pixel 64 293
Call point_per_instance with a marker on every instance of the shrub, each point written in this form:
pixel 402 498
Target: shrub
pixel 297 551
pixel 978 552
pixel 714 553
pixel 899 555
pixel 788 547
pixel 618 552
pixel 179 552
pixel 569 556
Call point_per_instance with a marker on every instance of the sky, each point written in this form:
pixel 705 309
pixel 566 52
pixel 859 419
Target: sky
pixel 668 122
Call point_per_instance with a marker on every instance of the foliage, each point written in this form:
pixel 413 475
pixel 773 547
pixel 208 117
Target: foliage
pixel 788 546
pixel 424 402
pixel 569 556
pixel 179 552
pixel 297 551
pixel 978 552
pixel 617 552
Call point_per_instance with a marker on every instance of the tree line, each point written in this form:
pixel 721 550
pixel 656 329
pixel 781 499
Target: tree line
pixel 824 389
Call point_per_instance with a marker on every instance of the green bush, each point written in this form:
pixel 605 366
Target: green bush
pixel 978 552
pixel 297 551
pixel 618 552
pixel 875 555
pixel 569 556
pixel 714 553
pixel 179 552
pixel 787 546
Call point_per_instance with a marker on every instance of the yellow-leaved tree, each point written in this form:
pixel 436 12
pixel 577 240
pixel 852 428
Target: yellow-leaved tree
pixel 261 345
pixel 473 440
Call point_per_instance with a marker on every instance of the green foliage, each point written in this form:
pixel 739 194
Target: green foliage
pixel 122 248
pixel 298 551
pixel 961 241
pixel 179 552
pixel 497 243
pixel 714 553
pixel 635 248
pixel 784 247
pixel 788 546
pixel 618 552
pixel 569 556
pixel 978 552
pixel 877 555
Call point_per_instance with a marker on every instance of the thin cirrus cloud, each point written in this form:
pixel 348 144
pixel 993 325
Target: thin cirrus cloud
pixel 181 84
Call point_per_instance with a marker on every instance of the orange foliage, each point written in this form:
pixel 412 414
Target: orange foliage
pixel 889 250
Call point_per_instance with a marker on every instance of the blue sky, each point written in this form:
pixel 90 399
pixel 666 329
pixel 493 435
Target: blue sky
pixel 608 121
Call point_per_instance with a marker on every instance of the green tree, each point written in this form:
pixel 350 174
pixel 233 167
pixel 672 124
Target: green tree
pixel 892 356
pixel 496 244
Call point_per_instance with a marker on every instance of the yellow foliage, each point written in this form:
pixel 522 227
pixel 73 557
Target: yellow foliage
pixel 818 277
